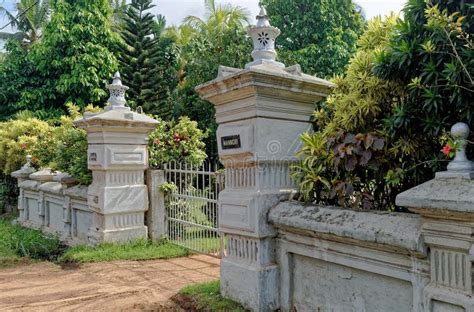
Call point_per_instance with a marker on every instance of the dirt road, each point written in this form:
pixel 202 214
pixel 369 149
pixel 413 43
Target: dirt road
pixel 110 286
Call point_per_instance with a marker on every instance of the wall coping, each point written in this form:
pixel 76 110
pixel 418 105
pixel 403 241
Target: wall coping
pixel 441 197
pixel 51 187
pixel 77 192
pixel 44 175
pixel 400 230
pixel 30 185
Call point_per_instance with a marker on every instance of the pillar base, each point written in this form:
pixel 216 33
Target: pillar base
pixel 254 286
pixel 125 235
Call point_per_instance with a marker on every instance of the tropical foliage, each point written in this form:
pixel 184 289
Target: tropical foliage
pixel 380 132
pixel 72 62
pixel 346 160
pixel 430 55
pixel 32 18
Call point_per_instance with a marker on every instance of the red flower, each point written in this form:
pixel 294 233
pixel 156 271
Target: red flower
pixel 446 150
pixel 23 146
pixel 157 141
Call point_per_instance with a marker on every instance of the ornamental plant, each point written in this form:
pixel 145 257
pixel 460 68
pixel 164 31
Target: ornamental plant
pixel 17 138
pixel 432 54
pixel 180 140
pixel 62 148
pixel 407 83
pixel 346 160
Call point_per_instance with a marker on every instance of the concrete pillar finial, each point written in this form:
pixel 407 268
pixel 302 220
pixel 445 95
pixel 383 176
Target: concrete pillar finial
pixel 263 36
pixel 28 164
pixel 460 132
pixel 117 94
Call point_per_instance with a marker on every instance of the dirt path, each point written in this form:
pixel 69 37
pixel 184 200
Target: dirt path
pixel 110 286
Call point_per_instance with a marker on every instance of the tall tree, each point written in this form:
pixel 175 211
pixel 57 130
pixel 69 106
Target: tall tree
pixel 219 18
pixel 147 61
pixel 320 35
pixel 219 39
pixel 73 61
pixel 30 18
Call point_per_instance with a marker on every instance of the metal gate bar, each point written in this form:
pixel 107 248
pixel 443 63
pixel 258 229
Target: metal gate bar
pixel 191 208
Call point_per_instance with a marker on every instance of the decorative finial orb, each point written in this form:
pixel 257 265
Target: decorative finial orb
pixel 263 36
pixel 460 131
pixel 117 94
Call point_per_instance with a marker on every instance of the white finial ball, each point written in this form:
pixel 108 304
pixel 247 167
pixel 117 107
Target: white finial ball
pixel 460 130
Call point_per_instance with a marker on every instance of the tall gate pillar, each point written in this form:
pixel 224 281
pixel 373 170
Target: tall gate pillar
pixel 261 111
pixel 117 155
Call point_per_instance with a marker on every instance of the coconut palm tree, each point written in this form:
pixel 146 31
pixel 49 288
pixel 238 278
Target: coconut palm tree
pixel 219 18
pixel 30 18
pixel 180 34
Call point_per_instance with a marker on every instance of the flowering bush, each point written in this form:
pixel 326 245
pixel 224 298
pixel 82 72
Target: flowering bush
pixel 17 138
pixel 177 141
pixel 62 148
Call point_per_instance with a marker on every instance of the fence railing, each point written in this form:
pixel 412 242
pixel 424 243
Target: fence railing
pixel 192 206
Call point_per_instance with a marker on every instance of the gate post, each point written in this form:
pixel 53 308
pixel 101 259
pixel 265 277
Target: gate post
pixel 261 111
pixel 156 215
pixel 118 158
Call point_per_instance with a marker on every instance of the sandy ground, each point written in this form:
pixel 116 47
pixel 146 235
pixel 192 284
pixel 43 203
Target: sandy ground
pixel 109 286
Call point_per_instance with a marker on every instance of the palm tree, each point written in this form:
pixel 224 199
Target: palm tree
pixel 219 18
pixel 181 34
pixel 32 16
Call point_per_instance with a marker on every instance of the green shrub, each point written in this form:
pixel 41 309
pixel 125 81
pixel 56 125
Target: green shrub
pixel 346 161
pixel 17 138
pixel 177 141
pixel 24 242
pixel 380 131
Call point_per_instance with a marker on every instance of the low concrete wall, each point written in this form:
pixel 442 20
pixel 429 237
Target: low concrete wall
pixel 55 207
pixel 332 259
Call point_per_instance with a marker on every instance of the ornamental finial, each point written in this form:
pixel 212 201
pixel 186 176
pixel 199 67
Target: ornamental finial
pixel 263 36
pixel 117 94
pixel 28 164
pixel 262 18
pixel 460 132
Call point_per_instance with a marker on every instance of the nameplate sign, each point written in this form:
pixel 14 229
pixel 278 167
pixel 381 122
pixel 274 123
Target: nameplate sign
pixel 230 142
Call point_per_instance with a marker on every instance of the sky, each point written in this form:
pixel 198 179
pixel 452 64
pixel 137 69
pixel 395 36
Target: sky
pixel 176 10
pixel 175 15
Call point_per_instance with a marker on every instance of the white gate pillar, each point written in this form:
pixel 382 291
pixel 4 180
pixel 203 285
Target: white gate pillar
pixel 118 158
pixel 261 111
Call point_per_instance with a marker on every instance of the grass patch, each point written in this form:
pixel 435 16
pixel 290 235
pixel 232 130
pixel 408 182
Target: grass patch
pixel 210 245
pixel 18 244
pixel 207 297
pixel 135 250
pixel 23 245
